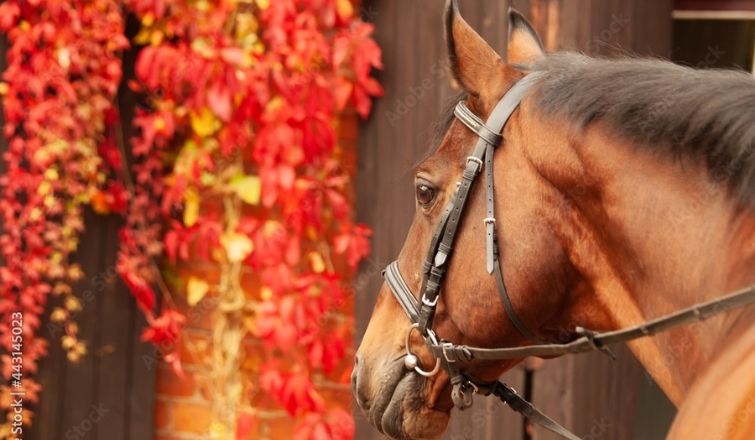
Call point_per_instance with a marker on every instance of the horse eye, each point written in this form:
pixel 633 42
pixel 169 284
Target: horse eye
pixel 425 194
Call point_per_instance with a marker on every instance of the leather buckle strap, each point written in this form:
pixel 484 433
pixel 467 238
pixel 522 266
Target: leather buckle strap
pixel 462 391
pixel 510 397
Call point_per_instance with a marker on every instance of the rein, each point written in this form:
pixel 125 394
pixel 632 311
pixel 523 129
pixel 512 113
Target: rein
pixel 422 312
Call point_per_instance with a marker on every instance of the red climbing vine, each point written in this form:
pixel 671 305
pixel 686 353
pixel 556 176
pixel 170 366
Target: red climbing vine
pixel 57 92
pixel 235 164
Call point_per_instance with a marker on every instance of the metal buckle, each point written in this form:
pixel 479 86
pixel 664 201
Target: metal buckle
pixel 429 303
pixel 462 393
pixel 447 346
pixel 487 220
pixel 475 390
pixel 476 160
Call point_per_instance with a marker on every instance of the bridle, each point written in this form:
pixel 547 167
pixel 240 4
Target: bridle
pixel 422 312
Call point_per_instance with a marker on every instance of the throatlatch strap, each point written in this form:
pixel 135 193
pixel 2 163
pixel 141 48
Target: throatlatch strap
pixel 504 294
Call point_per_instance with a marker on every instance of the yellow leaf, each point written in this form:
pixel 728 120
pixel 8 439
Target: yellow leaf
pixel 44 188
pixel 3 88
pixel 58 315
pixel 237 246
pixel 344 8
pixel 75 272
pixel 196 289
pixel 191 207
pixel 51 174
pixel 148 19
pixel 218 430
pixel 73 304
pixel 266 293
pixel 263 4
pixel 247 188
pixel 156 38
pixel 204 123
pixel 317 262
pixel 67 342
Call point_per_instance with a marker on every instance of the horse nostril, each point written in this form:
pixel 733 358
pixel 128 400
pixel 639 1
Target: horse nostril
pixel 357 387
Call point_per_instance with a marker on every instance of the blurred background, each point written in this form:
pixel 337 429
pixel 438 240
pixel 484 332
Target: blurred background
pixel 197 263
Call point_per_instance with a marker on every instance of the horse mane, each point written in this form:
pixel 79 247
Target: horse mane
pixel 696 114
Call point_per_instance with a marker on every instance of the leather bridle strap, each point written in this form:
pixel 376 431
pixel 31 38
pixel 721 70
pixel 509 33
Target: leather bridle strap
pixel 593 341
pixel 401 291
pixel 510 397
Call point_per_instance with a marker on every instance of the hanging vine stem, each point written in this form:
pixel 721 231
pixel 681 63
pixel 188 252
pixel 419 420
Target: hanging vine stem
pixel 129 180
pixel 228 334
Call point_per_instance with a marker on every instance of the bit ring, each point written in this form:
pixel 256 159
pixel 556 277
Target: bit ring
pixel 411 362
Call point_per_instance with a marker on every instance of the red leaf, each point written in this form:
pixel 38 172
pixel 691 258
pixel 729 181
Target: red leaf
pixel 219 101
pixel 145 296
pixel 164 330
pixel 245 424
pixel 9 12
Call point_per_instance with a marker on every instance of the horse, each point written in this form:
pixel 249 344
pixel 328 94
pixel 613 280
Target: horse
pixel 624 190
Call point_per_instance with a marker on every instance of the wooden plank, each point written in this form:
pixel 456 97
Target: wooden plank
pixel 591 395
pixel 652 25
pixel 78 393
pixel 713 15
pixel 141 378
pixel 114 340
pixel 708 44
pixel 714 5
pixel 139 375
pixel 388 113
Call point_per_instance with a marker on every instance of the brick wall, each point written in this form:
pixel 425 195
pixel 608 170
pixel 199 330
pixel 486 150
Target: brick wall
pixel 182 410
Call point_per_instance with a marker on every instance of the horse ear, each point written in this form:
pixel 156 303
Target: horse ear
pixel 474 64
pixel 524 45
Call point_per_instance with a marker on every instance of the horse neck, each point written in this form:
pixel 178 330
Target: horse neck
pixel 648 237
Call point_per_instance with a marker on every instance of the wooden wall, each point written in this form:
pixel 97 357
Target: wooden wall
pixel 590 394
pixel 109 393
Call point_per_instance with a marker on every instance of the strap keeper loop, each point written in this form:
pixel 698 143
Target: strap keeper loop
pixel 590 335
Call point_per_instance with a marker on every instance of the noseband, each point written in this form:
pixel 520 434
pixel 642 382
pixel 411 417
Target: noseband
pixel 422 312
